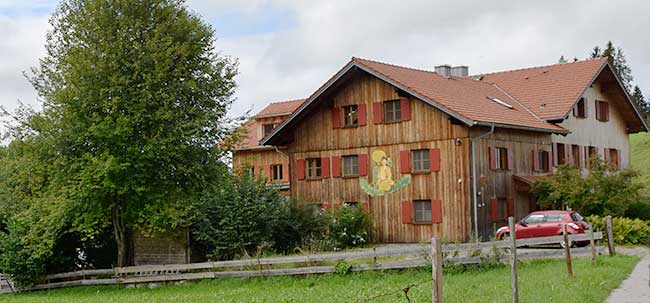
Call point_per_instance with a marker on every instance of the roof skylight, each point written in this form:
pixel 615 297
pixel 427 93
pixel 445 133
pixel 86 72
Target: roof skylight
pixel 495 99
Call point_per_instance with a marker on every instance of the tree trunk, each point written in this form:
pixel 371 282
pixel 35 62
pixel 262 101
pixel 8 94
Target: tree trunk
pixel 120 237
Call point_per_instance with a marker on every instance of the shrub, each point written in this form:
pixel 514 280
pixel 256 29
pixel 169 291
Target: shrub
pixel 348 227
pixel 298 227
pixel 639 210
pixel 626 231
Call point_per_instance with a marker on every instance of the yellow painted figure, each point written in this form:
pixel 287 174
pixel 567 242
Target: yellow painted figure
pixel 382 176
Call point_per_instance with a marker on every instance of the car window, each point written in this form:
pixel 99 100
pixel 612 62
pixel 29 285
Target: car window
pixel 577 217
pixel 534 219
pixel 552 218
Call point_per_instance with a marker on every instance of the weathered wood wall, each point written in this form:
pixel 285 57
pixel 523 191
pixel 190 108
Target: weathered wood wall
pixel 261 160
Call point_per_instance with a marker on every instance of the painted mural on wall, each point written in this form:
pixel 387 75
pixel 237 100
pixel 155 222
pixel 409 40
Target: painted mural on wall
pixel 382 176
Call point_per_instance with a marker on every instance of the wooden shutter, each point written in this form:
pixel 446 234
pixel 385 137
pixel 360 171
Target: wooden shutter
pixel 581 156
pixel 434 159
pixel 598 115
pixel 511 161
pixel 586 105
pixel 568 154
pixel 405 108
pixel 363 165
pixel 270 173
pixel 336 117
pixel 554 148
pixel 494 209
pixel 606 110
pixel 377 117
pixel 406 212
pixel 361 114
pixel 336 167
pixel 492 155
pixel 365 206
pixel 436 211
pixel 511 207
pixel 606 154
pixel 405 161
pixel 619 159
pixel 285 172
pixel 325 167
pixel 300 169
pixel 325 205
pixel 535 160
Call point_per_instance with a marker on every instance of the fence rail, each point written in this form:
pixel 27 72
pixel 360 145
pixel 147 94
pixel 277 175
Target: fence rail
pixel 413 256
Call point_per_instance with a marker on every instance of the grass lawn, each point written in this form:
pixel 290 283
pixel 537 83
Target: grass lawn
pixel 640 157
pixel 543 280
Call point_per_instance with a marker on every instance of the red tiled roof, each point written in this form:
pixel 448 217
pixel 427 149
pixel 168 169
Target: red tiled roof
pixel 280 108
pixel 549 91
pixel 463 97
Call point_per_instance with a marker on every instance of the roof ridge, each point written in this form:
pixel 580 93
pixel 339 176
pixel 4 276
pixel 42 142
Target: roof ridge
pixel 287 101
pixel 395 65
pixel 541 66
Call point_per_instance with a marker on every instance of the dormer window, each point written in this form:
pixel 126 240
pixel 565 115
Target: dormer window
pixel 267 128
pixel 580 110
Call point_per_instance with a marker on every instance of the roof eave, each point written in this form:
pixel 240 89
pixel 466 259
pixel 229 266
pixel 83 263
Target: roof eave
pixel 522 127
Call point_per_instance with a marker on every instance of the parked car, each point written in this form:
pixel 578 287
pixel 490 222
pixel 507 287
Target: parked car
pixel 547 223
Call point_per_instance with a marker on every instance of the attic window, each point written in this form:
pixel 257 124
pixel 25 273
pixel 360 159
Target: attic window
pixel 495 99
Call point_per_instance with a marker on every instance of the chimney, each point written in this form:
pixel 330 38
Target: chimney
pixel 460 71
pixel 443 70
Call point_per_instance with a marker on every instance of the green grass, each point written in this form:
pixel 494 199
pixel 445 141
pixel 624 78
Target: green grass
pixel 640 157
pixel 544 280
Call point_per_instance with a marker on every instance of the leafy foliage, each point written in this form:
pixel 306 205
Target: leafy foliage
pixel 603 191
pixel 626 231
pixel 349 226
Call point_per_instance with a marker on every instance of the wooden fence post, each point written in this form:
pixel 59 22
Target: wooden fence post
pixel 594 254
pixel 610 236
pixel 513 260
pixel 436 270
pixel 567 250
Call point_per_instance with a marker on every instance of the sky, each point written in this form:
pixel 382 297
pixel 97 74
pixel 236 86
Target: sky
pixel 287 49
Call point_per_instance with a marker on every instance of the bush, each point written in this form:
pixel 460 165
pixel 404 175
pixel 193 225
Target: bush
pixel 639 210
pixel 348 227
pixel 297 227
pixel 626 231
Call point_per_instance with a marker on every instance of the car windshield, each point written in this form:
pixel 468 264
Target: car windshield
pixel 554 218
pixel 534 219
pixel 577 217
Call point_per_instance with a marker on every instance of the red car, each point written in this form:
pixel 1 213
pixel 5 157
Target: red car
pixel 547 223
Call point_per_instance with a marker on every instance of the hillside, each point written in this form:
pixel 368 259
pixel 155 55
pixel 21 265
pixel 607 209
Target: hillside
pixel 640 149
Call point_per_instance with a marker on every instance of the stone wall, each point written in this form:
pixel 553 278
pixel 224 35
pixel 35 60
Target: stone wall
pixel 167 248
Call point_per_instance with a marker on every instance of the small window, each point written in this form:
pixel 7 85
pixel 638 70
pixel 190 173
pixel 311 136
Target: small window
pixel 501 158
pixel 553 218
pixel 613 158
pixel 251 170
pixel 577 217
pixel 350 166
pixel 561 155
pixel 602 111
pixel 421 161
pixel 392 111
pixel 268 128
pixel 534 219
pixel 313 168
pixel 575 152
pixel 544 161
pixel 580 111
pixel 350 115
pixel 422 211
pixel 276 172
pixel 351 204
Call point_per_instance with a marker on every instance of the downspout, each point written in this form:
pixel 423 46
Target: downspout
pixel 474 182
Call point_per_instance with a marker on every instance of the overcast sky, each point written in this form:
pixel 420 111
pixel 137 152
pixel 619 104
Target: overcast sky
pixel 287 49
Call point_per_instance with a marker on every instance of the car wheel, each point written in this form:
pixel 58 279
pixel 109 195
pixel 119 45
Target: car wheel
pixel 505 237
pixel 563 244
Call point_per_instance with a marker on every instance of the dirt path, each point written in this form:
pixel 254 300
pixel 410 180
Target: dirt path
pixel 636 288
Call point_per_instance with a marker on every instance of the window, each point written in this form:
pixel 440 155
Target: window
pixel 561 155
pixel 613 158
pixel 351 204
pixel 534 219
pixel 421 161
pixel 350 166
pixel 501 158
pixel 602 111
pixel 268 128
pixel 575 152
pixel 553 218
pixel 276 172
pixel 350 115
pixel 580 110
pixel 422 211
pixel 251 170
pixel 392 111
pixel 577 217
pixel 544 161
pixel 313 168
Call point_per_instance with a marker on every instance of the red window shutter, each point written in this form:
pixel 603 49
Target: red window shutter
pixel 363 165
pixel 270 172
pixel 536 166
pixel 606 110
pixel 325 167
pixel 365 206
pixel 555 160
pixel 405 108
pixel 606 155
pixel 285 172
pixel 568 154
pixel 436 211
pixel 492 157
pixel 581 156
pixel 494 209
pixel 511 207
pixel 406 212
pixel 434 159
pixel 336 167
pixel 511 161
pixel 619 159
pixel 300 169
pixel 361 114
pixel 377 118
pixel 598 115
pixel 405 161
pixel 336 117
pixel 325 205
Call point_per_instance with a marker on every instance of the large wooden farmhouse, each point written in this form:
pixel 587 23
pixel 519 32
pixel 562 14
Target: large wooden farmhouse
pixel 439 152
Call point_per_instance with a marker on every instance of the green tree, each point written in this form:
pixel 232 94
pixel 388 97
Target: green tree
pixel 617 59
pixel 562 60
pixel 644 105
pixel 604 191
pixel 135 99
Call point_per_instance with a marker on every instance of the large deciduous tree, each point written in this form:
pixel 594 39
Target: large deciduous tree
pixel 134 100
